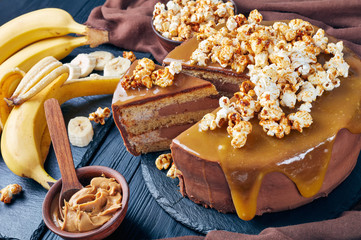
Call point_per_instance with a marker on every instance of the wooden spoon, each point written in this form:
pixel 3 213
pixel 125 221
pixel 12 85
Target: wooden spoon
pixel 61 145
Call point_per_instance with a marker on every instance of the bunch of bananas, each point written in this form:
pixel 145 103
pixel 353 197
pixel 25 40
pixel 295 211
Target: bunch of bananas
pixel 26 43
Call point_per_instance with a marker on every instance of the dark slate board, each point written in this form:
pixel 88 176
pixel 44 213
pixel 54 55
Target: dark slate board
pixel 145 219
pixel 166 192
pixel 28 204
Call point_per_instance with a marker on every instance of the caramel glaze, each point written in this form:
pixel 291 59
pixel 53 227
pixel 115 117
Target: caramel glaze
pixel 302 157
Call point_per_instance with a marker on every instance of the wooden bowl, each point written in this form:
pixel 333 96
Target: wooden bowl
pixel 85 175
pixel 169 44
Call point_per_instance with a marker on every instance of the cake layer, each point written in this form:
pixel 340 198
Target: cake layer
pixel 143 116
pixel 302 159
pixel 156 140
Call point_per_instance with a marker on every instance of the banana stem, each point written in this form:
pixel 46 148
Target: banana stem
pixel 96 37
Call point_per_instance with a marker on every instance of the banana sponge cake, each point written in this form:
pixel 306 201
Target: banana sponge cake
pixel 153 104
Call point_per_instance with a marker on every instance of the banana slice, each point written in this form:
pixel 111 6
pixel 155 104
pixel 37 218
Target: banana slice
pixel 85 62
pixel 74 71
pixel 80 131
pixel 116 67
pixel 101 57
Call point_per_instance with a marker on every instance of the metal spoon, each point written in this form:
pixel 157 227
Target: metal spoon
pixel 61 145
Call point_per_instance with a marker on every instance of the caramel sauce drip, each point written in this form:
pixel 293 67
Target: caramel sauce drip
pixel 302 157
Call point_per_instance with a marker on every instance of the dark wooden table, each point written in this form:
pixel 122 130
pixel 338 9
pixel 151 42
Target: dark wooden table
pixel 145 219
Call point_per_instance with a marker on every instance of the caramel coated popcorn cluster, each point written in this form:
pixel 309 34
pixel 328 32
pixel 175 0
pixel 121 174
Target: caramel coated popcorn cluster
pixel 163 161
pixel 146 75
pixel 129 55
pixel 99 115
pixel 284 73
pixel 9 191
pixel 180 20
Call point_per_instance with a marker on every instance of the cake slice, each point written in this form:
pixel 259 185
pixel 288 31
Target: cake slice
pixel 225 80
pixel 148 119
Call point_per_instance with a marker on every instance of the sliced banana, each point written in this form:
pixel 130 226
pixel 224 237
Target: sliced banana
pixel 80 131
pixel 85 62
pixel 101 57
pixel 116 67
pixel 74 71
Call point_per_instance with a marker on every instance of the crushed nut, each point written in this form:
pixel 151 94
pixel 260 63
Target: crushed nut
pixel 8 192
pixel 129 55
pixel 163 161
pixel 173 172
pixel 99 115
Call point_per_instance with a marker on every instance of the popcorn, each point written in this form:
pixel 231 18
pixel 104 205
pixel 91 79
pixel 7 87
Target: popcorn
pixel 162 77
pixel 129 55
pixel 9 191
pixel 300 120
pixel 99 115
pixel 255 17
pixel 163 161
pixel 274 128
pixel 182 19
pixel 146 75
pixel 239 132
pixel 208 122
pixel 173 172
pixel 284 73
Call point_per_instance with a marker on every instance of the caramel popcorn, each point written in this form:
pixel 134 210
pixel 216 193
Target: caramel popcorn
pixel 163 161
pixel 173 172
pixel 300 120
pixel 284 72
pixel 162 77
pixel 181 20
pixel 208 122
pixel 129 55
pixel 99 115
pixel 9 191
pixel 146 75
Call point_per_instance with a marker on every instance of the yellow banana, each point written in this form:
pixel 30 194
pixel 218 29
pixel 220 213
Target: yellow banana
pixel 37 25
pixel 25 140
pixel 8 83
pixel 24 59
pixel 58 47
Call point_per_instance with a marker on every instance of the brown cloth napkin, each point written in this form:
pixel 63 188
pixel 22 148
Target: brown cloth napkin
pixel 128 22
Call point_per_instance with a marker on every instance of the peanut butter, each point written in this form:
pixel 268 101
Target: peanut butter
pixel 91 207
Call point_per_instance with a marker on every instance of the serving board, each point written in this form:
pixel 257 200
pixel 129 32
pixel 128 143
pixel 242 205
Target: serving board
pixel 165 190
pixel 24 213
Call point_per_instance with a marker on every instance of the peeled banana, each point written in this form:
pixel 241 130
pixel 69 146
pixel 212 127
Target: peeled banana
pixel 38 25
pixel 25 139
pixel 38 77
